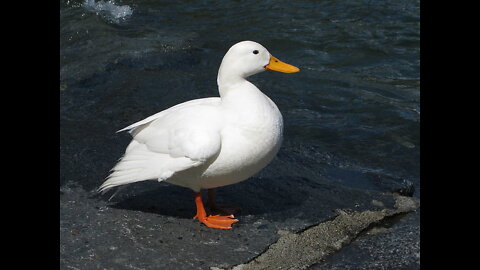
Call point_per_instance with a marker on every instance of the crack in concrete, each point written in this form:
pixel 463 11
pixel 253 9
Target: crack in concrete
pixel 310 246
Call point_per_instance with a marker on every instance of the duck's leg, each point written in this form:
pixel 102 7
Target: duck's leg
pixel 217 221
pixel 213 206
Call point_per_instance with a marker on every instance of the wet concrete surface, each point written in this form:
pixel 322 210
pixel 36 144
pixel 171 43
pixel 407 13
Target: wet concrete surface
pixel 303 249
pixel 149 225
pixel 392 244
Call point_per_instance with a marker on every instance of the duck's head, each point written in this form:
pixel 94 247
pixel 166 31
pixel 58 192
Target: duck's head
pixel 247 58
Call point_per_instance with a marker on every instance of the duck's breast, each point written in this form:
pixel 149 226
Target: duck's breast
pixel 251 138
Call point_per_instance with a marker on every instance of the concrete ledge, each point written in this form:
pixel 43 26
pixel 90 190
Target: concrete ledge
pixel 303 249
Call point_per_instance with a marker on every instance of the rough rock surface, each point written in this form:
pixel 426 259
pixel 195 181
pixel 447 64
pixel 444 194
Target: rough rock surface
pixel 301 250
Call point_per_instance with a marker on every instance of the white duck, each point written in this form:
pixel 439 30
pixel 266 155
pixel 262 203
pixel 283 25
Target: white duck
pixel 209 142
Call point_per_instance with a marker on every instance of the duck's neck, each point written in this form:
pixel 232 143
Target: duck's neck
pixel 227 80
pixel 238 93
pixel 232 74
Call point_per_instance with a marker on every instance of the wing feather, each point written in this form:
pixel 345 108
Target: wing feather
pixel 201 101
pixel 171 141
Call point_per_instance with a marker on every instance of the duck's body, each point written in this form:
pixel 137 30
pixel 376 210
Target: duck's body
pixel 211 142
pixel 251 135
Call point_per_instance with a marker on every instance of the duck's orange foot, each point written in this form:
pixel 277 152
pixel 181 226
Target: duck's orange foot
pixel 218 221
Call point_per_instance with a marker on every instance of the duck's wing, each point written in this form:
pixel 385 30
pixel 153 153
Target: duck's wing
pixel 201 101
pixel 174 140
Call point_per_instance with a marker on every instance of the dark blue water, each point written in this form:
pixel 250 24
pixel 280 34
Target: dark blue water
pixel 351 115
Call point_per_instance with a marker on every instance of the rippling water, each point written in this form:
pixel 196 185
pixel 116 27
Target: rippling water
pixel 354 107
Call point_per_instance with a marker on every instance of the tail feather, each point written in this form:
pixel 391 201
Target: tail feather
pixel 122 177
pixel 140 164
pixel 135 166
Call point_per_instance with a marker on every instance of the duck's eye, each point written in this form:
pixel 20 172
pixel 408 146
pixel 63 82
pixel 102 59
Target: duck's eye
pixel 255 52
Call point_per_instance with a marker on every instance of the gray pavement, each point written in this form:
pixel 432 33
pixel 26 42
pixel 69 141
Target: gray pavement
pixel 149 225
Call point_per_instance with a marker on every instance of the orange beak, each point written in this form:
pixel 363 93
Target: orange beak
pixel 280 66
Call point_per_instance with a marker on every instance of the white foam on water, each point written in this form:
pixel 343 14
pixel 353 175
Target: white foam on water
pixel 110 8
